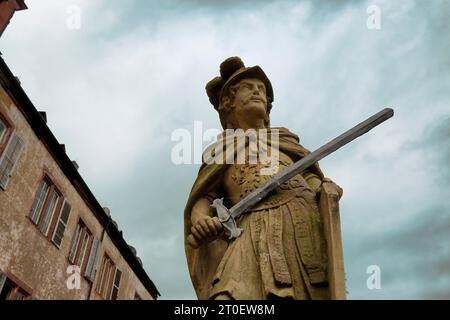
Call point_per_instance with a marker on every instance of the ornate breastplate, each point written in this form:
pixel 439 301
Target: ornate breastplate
pixel 248 177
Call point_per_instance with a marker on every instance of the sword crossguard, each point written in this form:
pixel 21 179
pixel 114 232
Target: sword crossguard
pixel 226 218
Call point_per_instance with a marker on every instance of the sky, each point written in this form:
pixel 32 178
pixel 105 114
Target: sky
pixel 117 87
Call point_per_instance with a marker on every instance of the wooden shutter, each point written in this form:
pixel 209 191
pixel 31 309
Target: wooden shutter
pixel 39 202
pixel 109 279
pixel 83 247
pixel 9 159
pixel 101 275
pixel 62 224
pixel 73 249
pixel 2 280
pixel 93 258
pixel 2 129
pixel 116 284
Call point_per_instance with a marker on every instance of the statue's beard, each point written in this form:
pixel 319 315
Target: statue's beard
pixel 264 112
pixel 233 120
pixel 247 100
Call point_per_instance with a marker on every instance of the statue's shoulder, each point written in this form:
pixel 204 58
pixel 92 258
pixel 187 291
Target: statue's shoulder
pixel 285 134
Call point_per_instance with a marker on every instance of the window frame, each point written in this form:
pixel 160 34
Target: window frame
pixel 84 231
pixel 81 231
pixel 17 287
pixel 117 272
pixel 6 136
pixel 52 189
pixel 106 278
pixel 9 139
pixel 61 221
pixel 5 125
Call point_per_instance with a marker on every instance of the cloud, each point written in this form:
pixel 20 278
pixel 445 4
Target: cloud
pixel 116 89
pixel 413 258
pixel 406 223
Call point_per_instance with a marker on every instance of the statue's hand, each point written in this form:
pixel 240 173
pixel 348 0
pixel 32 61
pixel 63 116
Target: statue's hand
pixel 334 185
pixel 206 229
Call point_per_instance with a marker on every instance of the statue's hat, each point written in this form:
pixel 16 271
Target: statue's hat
pixel 233 70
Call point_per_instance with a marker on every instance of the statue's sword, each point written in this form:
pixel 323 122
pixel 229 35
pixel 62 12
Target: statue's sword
pixel 228 216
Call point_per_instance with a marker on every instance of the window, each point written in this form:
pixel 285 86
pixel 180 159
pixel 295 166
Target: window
pixel 109 279
pixel 50 212
pixel 84 251
pixel 10 149
pixel 11 290
pixel 3 128
pixel 116 284
pixel 5 132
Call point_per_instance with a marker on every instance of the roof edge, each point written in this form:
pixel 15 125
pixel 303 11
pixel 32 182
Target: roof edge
pixel 22 5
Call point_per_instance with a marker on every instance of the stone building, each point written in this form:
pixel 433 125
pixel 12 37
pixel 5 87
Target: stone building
pixel 56 240
pixel 7 10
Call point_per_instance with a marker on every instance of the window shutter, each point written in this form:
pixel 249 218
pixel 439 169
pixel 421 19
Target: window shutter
pixel 62 224
pixel 93 258
pixel 116 284
pixel 2 129
pixel 73 249
pixel 2 280
pixel 9 159
pixel 101 275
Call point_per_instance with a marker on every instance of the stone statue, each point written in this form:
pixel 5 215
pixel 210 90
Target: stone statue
pixel 284 250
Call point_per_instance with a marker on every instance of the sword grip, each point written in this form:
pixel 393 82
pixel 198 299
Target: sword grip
pixel 226 218
pixel 193 242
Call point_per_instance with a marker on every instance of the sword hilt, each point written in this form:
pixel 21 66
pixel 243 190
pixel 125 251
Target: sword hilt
pixel 226 219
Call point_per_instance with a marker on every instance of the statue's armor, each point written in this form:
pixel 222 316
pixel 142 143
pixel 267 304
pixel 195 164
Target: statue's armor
pixel 282 239
pixel 242 179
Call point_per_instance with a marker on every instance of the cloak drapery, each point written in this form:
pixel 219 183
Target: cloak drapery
pixel 203 262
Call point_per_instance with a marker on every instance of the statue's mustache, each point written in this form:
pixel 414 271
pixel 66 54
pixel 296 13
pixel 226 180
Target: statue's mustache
pixel 259 98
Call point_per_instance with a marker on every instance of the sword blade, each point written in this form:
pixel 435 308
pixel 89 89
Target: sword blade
pixel 260 193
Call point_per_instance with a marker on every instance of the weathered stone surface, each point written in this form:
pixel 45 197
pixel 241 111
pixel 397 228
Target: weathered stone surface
pixel 24 251
pixel 283 250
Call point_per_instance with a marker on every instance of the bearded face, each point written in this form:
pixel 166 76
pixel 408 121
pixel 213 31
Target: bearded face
pixel 250 97
pixel 247 100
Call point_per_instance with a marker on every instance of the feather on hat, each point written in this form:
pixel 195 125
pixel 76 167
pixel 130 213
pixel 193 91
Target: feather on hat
pixel 233 70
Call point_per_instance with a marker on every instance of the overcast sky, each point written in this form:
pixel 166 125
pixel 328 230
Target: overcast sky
pixel 115 89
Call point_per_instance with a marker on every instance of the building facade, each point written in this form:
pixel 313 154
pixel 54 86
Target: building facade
pixel 56 240
pixel 7 10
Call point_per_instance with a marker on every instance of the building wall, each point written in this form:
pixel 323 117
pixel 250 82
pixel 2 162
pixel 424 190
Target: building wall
pixel 24 251
pixel 130 284
pixel 7 9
